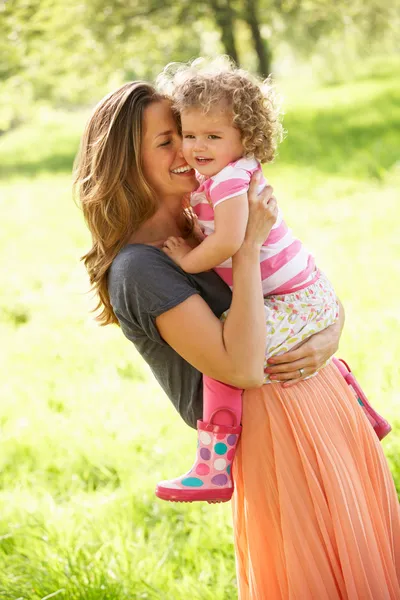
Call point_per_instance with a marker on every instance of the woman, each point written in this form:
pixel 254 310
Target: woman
pixel 315 509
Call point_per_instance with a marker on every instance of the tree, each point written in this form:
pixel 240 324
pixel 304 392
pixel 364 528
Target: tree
pixel 225 20
pixel 67 57
pixel 251 16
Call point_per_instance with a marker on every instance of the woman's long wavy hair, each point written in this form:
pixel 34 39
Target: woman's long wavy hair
pixel 109 183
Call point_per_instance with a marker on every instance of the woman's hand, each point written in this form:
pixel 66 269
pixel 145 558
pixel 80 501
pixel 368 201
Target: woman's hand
pixel 263 212
pixel 309 357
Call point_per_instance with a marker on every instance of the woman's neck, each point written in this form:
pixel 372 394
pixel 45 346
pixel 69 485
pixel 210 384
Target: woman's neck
pixel 169 220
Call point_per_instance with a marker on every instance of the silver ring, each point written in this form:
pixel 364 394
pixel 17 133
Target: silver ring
pixel 301 371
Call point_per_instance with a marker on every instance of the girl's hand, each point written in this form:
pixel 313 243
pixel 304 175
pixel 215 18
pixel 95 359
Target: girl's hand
pixel 263 212
pixel 176 248
pixel 309 357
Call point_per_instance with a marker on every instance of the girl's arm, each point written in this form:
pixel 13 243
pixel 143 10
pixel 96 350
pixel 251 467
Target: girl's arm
pixel 230 227
pixel 233 351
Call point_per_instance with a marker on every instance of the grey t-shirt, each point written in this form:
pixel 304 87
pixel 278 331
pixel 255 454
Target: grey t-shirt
pixel 143 283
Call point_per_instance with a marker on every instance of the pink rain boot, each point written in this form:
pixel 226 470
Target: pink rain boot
pixel 210 478
pixel 380 425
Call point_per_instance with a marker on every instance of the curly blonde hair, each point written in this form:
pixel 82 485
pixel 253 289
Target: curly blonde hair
pixel 253 102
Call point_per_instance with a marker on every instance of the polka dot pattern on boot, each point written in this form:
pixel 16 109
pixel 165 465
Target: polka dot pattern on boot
pixel 169 484
pixel 202 469
pixel 220 448
pixel 219 464
pixel 231 439
pixel 205 438
pixel 219 479
pixel 193 482
pixel 205 453
pixel 231 454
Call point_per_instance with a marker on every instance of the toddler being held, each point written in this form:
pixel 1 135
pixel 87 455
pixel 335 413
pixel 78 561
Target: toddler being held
pixel 230 124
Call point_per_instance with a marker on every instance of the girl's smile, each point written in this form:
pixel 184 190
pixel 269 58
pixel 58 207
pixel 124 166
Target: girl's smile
pixel 210 140
pixel 200 160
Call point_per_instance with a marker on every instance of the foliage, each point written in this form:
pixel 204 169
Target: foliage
pixel 70 54
pixel 85 430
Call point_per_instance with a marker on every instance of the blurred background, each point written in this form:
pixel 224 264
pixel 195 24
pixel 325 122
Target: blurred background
pixel 85 432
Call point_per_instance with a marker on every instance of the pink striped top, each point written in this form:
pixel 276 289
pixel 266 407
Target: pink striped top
pixel 285 264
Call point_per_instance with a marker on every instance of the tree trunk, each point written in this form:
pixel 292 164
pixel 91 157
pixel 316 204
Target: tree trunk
pixel 225 19
pixel 260 45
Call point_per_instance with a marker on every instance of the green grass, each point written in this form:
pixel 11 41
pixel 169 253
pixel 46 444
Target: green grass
pixel 86 432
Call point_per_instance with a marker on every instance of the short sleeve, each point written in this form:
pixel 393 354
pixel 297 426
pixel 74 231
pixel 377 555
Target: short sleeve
pixel 228 183
pixel 143 284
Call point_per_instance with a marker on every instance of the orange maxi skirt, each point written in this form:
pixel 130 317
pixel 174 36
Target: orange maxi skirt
pixel 316 515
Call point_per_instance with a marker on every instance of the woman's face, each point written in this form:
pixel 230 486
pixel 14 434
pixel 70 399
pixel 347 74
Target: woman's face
pixel 164 167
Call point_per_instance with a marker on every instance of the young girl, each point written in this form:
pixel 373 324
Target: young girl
pixel 230 124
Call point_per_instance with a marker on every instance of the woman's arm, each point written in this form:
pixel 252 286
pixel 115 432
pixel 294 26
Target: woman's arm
pixel 310 356
pixel 232 352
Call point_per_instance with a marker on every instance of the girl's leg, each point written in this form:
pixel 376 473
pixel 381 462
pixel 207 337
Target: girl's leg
pixel 222 402
pixel 210 478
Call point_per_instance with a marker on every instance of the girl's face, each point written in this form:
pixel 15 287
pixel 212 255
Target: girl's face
pixel 210 141
pixel 164 167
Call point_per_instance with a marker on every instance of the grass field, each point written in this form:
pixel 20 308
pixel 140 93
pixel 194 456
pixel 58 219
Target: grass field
pixel 85 431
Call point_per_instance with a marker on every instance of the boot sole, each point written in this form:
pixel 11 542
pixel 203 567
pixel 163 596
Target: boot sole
pixel 210 496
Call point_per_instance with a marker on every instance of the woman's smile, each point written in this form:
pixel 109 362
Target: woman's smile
pixel 164 166
pixel 183 170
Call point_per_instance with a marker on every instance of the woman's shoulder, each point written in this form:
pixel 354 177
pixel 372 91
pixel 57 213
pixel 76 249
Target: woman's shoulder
pixel 136 257
pixel 142 278
pixel 142 264
pixel 146 279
